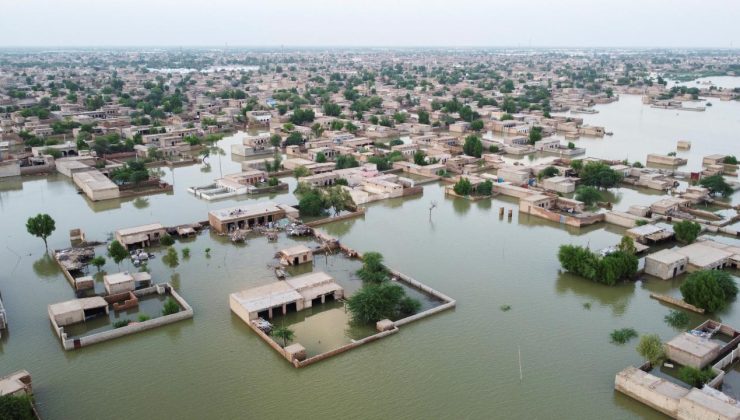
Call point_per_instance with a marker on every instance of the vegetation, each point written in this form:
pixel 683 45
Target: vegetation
pixel 166 240
pixel 623 335
pixel 132 172
pixel 374 302
pixel 283 333
pixel 346 161
pixel 505 308
pixel 605 270
pixel 121 323
pixel 677 319
pixel 117 252
pixel 144 317
pixel 730 160
pixel 709 289
pixel 588 195
pixel 484 188
pixel 549 172
pixel 695 377
pixel 98 262
pixel 599 175
pixel 16 407
pixel 300 172
pixel 170 307
pixel 41 226
pixel 716 184
pixel 535 134
pixel 185 253
pixel 373 269
pixel 686 231
pixel 473 146
pixel 627 245
pixel 651 348
pixel 171 259
pixel 463 187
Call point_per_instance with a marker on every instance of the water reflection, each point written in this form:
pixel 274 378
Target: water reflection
pixel 616 297
pixel 461 205
pixel 141 202
pixel 46 267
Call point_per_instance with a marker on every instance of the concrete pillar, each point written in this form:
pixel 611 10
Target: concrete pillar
pixel 285 309
pixel 323 299
pixel 511 212
pixel 269 313
pixel 500 212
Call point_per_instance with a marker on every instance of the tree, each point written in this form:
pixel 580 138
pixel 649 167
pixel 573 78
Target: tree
pixel 695 377
pixel 484 188
pixel 166 240
pixel 709 289
pixel 284 333
pixel 351 128
pixel 420 158
pixel 549 172
pixel 588 195
pixel 98 262
pixel 275 140
pixel 331 109
pixel 374 302
pixel 686 231
pixel 373 269
pixel 599 175
pixel 41 226
pixel 535 134
pixel 473 146
pixel 294 139
pixel 118 252
pixel 651 348
pixel 346 161
pixel 339 199
pixel 17 407
pixel 423 116
pixel 317 129
pixel 301 171
pixel 716 184
pixel 170 307
pixel 185 253
pixel 627 245
pixel 507 86
pixel 311 204
pixel 462 187
pixel 171 259
pixel 320 157
pixel 476 125
pixel 606 270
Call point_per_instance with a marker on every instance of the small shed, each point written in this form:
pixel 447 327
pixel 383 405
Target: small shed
pixel 295 255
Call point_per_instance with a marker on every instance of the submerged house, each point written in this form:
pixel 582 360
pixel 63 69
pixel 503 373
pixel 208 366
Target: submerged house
pixel 77 310
pixel 294 294
pixel 140 236
pixel 295 255
pixel 666 264
pixel 243 217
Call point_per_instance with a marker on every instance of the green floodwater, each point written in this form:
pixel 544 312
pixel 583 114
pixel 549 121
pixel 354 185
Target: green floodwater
pixel 463 363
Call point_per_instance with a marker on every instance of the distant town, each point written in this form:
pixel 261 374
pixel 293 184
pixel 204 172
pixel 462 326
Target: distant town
pixel 302 203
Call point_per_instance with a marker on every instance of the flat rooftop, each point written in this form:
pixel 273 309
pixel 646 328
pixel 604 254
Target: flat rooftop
pixel 139 229
pixel 270 295
pixel 702 255
pixel 247 211
pixel 694 345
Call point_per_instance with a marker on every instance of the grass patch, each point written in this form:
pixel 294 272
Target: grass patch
pixel 121 323
pixel 677 319
pixel 623 335
pixel 695 377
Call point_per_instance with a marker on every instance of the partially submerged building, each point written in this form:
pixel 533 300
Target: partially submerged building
pixel 141 236
pixel 666 264
pixel 296 293
pixel 295 255
pixel 77 310
pixel 248 216
pixel 706 254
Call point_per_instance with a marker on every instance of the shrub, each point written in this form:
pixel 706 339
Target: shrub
pixel 493 148
pixel 144 317
pixel 606 270
pixel 408 306
pixel 730 160
pixel 599 175
pixel 651 348
pixel 484 188
pixel 716 185
pixel 379 301
pixel 312 204
pixel 549 172
pixel 121 323
pixel 677 319
pixel 473 146
pixel 709 289
pixel 462 187
pixel 273 182
pixel 686 231
pixel 695 377
pixel 166 240
pixel 588 195
pixel 185 253
pixel 373 269
pixel 16 407
pixel 170 307
pixel 623 335
pixel 505 308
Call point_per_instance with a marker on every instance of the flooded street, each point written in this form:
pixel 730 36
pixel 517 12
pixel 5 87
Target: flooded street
pixel 462 363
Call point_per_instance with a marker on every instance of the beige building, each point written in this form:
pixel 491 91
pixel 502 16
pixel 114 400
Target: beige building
pixel 666 264
pixel 243 217
pixel 140 236
pixel 77 310
pixel 295 255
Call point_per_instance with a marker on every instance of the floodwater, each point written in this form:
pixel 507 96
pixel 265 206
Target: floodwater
pixel 462 363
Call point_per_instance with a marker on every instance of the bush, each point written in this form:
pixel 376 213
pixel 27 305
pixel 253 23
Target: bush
pixel 606 270
pixel 462 187
pixel 408 306
pixel 170 307
pixel 473 146
pixel 273 182
pixel 16 407
pixel 695 377
pixel 686 231
pixel 166 240
pixel 599 175
pixel 651 348
pixel 373 269
pixel 549 172
pixel 378 301
pixel 121 323
pixel 185 253
pixel 144 317
pixel 623 335
pixel 484 188
pixel 709 289
pixel 716 185
pixel 677 319
pixel 312 204
pixel 730 160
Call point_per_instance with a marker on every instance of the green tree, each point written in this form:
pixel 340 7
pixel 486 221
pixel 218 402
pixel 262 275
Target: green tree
pixel 709 289
pixel 185 253
pixel 420 158
pixel 686 231
pixel 41 226
pixel 549 172
pixel 473 146
pixel 651 348
pixel 166 240
pixel 171 259
pixel 301 171
pixel 627 245
pixel 423 117
pixel 535 134
pixel 117 252
pixel 477 125
pixel 283 333
pixel 373 269
pixel 98 262
pixel 346 161
pixel 588 195
pixel 16 407
pixel 695 377
pixel 462 187
pixel 317 130
pixel 599 175
pixel 339 199
pixel 275 140
pixel 484 188
pixel 716 184
pixel 312 204
pixel 320 157
pixel 374 302
pixel 351 128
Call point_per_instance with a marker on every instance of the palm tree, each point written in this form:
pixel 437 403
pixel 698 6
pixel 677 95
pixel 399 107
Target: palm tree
pixel 284 333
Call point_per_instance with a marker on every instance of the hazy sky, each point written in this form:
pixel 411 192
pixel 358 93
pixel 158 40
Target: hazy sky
pixel 640 23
